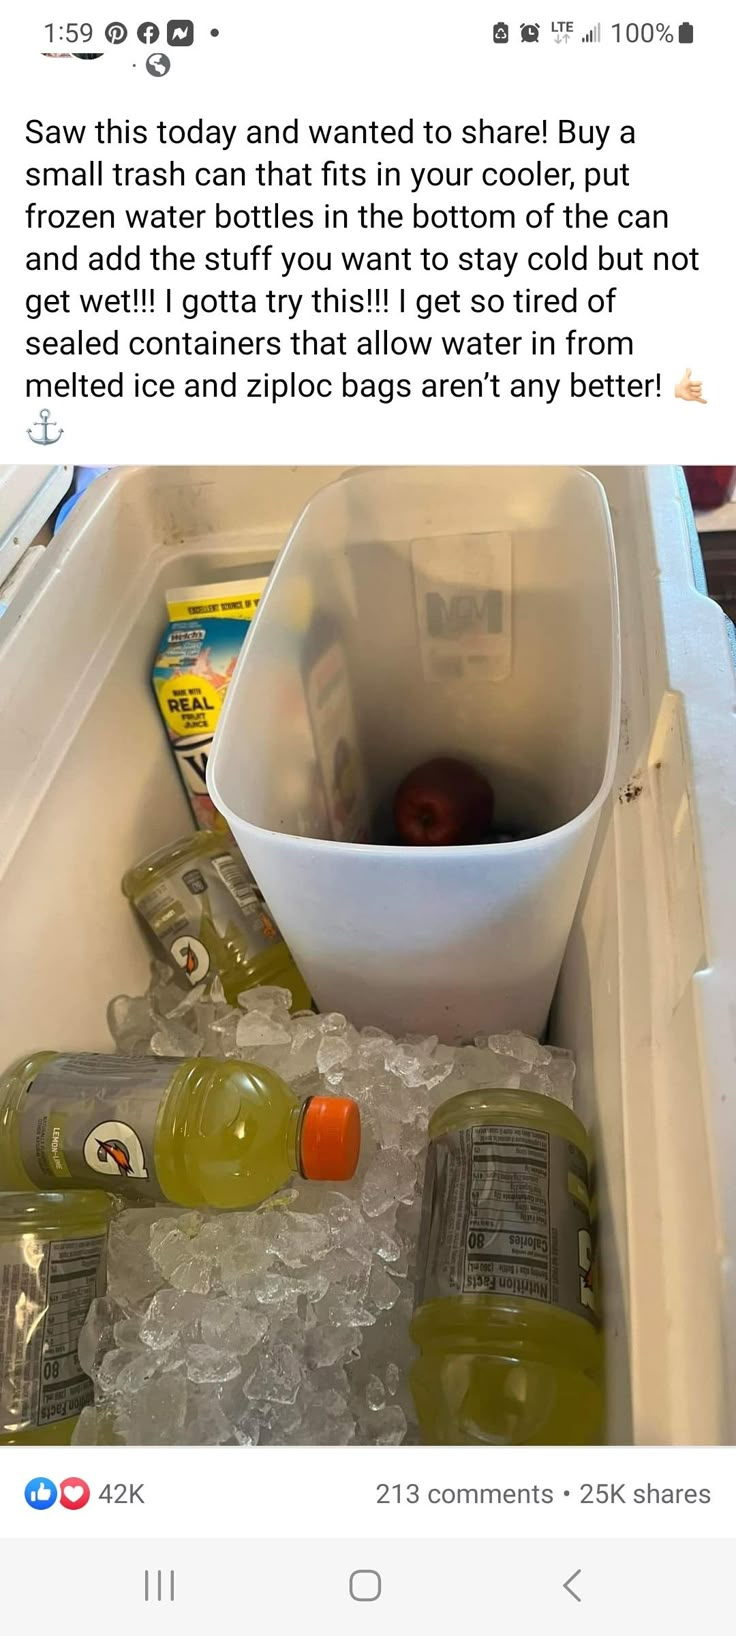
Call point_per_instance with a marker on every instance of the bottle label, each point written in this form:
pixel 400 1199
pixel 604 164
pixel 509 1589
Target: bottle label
pixel 462 587
pixel 46 1290
pixel 332 717
pixel 204 903
pixel 261 930
pixel 506 1212
pixel 91 1121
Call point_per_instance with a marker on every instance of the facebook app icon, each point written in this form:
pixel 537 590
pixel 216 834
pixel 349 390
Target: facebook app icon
pixel 148 33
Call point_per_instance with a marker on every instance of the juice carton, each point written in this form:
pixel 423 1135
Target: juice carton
pixel 192 673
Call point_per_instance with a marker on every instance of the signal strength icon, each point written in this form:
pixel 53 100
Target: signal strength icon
pixel 593 36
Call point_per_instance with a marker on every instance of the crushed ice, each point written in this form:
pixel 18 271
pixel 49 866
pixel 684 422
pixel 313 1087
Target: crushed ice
pixel 288 1324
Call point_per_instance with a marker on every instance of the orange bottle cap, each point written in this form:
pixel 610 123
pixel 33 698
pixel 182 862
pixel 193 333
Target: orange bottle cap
pixel 330 1139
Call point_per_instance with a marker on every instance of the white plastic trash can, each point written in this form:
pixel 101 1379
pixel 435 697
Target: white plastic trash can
pixel 417 613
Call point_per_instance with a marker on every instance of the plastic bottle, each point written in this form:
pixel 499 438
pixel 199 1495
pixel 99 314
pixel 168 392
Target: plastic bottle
pixel 206 915
pixel 331 709
pixel 52 1266
pixel 505 1315
pixel 196 1132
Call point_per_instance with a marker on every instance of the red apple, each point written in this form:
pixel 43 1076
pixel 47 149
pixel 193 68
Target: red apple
pixel 443 803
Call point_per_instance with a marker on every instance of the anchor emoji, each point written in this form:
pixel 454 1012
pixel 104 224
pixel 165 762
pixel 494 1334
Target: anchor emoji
pixel 43 422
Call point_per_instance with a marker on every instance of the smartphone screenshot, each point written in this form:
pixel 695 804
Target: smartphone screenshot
pixel 368 749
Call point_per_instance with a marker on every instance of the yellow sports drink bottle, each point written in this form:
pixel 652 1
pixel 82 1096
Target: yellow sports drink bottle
pixel 197 1132
pixel 52 1266
pixel 505 1315
pixel 206 916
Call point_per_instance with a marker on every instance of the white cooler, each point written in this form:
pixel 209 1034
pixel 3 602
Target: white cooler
pixel 646 995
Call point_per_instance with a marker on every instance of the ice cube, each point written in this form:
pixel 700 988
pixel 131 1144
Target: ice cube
pixel 279 1294
pixel 223 1324
pixel 328 1345
pixel 312 1284
pixel 114 1365
pixel 333 1055
pixel 178 1257
pixel 291 1323
pixel 169 1315
pixel 95 1426
pixel 156 1414
pixel 98 1333
pixel 281 1423
pixel 348 1272
pixel 277 1376
pixel 267 999
pixel 390 1425
pixel 392 1378
pixel 206 1423
pixel 141 1367
pixel 132 1275
pixel 306 1039
pixel 126 1332
pixel 222 1040
pixel 208 1365
pixel 174 1039
pixel 247 1428
pixel 383 1291
pixel 415 1064
pixel 341 1209
pixel 332 1022
pixel 326 1417
pixel 375 1393
pixel 392 1176
pixel 301 1238
pixel 257 1028
pixel 386 1247
pixel 241 1271
pixel 344 1308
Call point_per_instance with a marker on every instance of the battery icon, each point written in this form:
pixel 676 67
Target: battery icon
pixel 685 34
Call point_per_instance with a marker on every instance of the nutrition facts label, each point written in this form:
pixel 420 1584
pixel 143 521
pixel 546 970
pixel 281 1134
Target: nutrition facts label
pixel 507 1243
pixel 46 1291
pixel 262 930
pixel 506 1212
pixel 238 881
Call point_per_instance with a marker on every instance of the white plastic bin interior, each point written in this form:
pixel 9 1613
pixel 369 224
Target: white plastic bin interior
pixel 454 940
pixel 646 994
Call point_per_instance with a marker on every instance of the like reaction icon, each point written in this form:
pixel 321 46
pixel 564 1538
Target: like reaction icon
pixel 74 1493
pixel 40 1493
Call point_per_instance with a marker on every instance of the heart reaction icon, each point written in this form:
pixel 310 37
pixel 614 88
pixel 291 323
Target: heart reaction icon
pixel 74 1493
